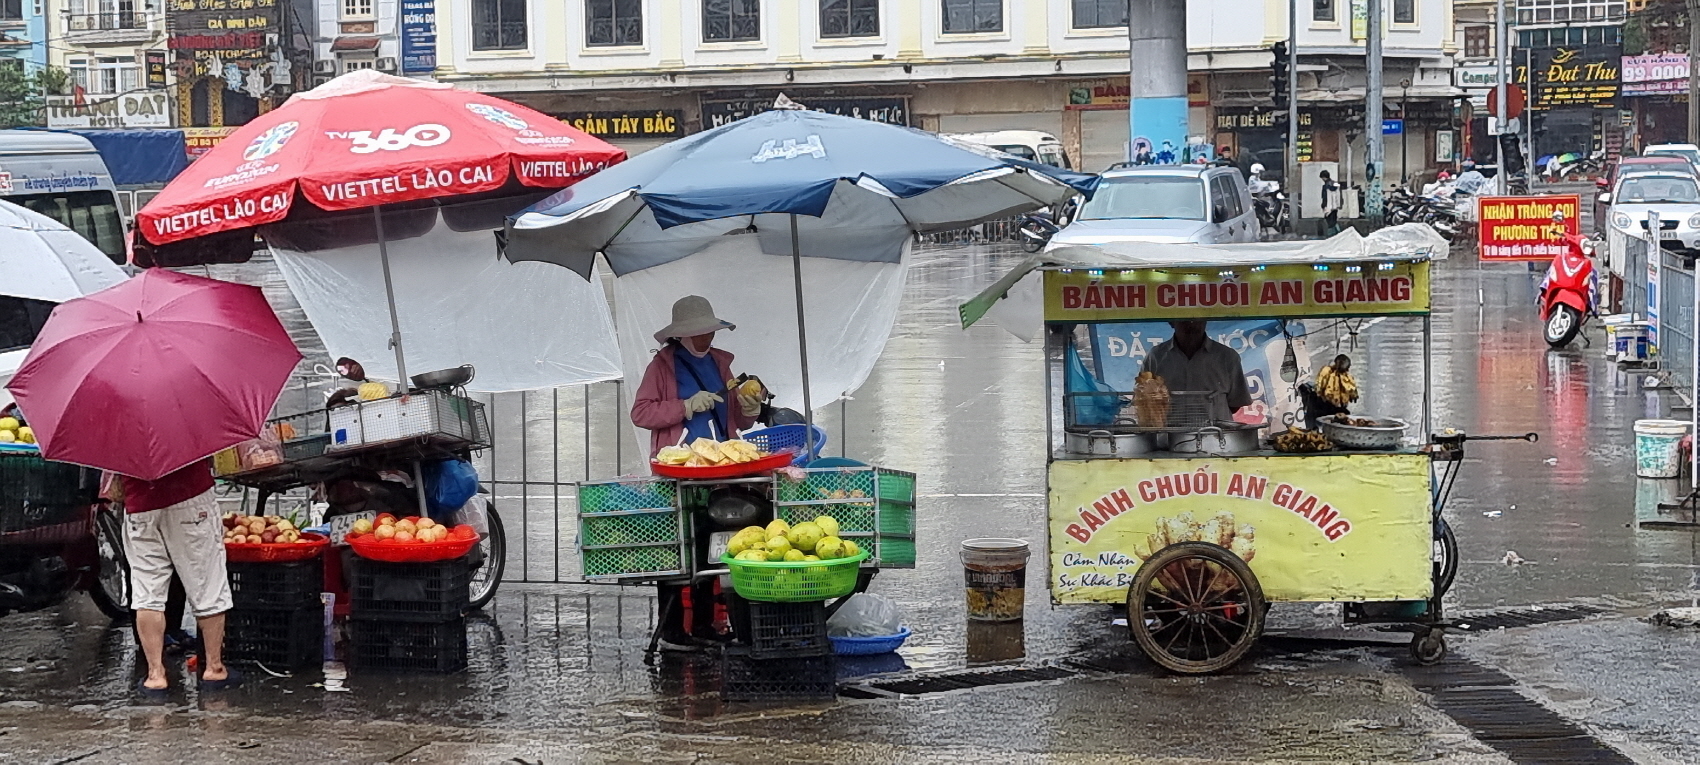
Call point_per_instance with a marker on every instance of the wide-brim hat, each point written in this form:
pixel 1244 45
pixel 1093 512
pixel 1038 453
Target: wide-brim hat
pixel 692 316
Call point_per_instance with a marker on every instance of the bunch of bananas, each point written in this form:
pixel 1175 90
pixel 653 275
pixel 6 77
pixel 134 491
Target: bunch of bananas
pixel 1298 441
pixel 1334 382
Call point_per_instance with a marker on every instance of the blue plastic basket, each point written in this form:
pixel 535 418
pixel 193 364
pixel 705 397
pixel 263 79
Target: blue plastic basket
pixel 864 646
pixel 778 438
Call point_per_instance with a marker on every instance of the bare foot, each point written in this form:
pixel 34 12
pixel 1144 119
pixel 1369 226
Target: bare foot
pixel 155 683
pixel 215 673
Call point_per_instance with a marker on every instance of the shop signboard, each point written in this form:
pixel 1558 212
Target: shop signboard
pixel 892 110
pixel 231 39
pixel 1521 228
pixel 200 140
pixel 661 123
pixel 1282 290
pixel 1104 94
pixel 418 36
pixel 1318 528
pixel 154 60
pixel 1477 77
pixel 140 109
pixel 1655 73
pixel 1392 127
pixel 1585 76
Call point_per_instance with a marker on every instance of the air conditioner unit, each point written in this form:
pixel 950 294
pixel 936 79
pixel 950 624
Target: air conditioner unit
pixel 324 67
pixel 317 81
pixel 386 64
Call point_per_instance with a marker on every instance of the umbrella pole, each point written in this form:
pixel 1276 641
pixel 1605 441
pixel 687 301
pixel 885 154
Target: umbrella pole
pixel 802 337
pixel 389 294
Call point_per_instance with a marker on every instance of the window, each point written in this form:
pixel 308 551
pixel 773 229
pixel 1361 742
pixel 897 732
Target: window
pixel 1404 11
pixel 356 9
pixel 1568 11
pixel 21 319
pixel 11 10
pixel 357 64
pixel 1158 197
pixel 731 20
pixel 92 214
pixel 1478 42
pixel 1098 14
pixel 1322 10
pixel 613 22
pixel 849 18
pixel 971 16
pixel 498 25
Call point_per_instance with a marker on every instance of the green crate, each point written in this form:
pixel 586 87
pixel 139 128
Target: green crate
pixel 852 519
pixel 628 494
pixel 636 527
pixel 896 552
pixel 623 562
pixel 896 519
pixel 886 508
pixel 897 485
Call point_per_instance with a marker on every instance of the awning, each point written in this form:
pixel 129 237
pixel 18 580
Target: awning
pixel 351 44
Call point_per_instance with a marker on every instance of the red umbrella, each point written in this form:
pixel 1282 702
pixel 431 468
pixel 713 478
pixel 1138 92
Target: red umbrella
pixel 362 140
pixel 154 374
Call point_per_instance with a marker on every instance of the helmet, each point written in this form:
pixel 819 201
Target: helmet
pixel 1256 167
pixel 1443 176
pixel 1225 149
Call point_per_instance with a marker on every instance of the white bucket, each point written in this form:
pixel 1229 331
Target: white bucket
pixel 1658 447
pixel 1629 341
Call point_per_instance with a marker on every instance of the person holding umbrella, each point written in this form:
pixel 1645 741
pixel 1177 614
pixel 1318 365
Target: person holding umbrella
pixel 148 379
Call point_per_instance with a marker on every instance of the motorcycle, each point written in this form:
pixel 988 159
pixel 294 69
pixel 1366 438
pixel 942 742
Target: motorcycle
pixel 1570 291
pixel 59 538
pixel 1271 209
pixel 1036 228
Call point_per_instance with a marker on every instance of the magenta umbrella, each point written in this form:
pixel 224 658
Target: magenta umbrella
pixel 154 374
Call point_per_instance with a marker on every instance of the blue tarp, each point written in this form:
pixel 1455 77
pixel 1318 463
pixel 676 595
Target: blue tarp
pixel 140 157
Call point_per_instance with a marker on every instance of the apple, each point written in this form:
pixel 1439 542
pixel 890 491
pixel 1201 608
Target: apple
pixel 403 537
pixel 425 523
pixel 384 532
pixel 385 519
pixel 407 526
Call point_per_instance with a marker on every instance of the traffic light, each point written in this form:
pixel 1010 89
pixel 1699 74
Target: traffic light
pixel 1280 77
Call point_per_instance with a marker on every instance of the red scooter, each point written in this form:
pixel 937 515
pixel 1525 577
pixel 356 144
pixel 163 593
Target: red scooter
pixel 1570 292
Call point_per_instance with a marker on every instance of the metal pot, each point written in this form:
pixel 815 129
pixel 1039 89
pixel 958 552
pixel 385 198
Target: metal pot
pixel 1104 443
pixel 444 378
pixel 1231 438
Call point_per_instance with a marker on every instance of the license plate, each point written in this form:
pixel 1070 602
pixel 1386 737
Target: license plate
pixel 717 543
pixel 1667 234
pixel 342 524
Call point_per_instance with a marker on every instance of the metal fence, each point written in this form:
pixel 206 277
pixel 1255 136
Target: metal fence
pixel 1629 260
pixel 1676 320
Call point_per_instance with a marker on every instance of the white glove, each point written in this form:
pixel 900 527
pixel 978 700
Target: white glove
pixel 750 406
pixel 701 401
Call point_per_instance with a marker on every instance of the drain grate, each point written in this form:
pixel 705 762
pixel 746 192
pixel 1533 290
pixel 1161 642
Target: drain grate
pixel 956 681
pixel 1523 617
pixel 1481 699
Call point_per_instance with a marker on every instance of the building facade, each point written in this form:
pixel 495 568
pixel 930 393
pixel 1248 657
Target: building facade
pixel 23 34
pixel 354 35
pixel 115 53
pixel 641 72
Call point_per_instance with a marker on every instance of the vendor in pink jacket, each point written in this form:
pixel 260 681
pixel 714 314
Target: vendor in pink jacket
pixel 686 387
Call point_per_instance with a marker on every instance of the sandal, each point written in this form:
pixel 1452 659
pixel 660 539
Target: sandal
pixel 231 680
pixel 152 694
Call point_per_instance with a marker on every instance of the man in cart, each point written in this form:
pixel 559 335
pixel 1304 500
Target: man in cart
pixel 1191 361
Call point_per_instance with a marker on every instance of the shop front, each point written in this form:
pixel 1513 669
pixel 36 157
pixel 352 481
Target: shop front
pixel 1575 99
pixel 1655 88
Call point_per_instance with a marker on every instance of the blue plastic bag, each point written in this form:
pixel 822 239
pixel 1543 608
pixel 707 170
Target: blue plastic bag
pixel 449 484
pixel 1089 410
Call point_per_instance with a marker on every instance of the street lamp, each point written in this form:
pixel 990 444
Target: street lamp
pixel 1404 130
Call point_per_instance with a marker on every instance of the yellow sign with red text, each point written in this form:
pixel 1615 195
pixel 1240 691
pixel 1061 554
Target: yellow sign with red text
pixel 1272 291
pixel 1335 527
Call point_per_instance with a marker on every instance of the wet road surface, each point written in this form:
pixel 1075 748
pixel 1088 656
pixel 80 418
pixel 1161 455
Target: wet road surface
pixel 557 669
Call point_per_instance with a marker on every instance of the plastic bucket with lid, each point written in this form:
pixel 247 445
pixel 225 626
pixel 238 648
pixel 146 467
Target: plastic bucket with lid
pixel 996 573
pixel 1629 341
pixel 1658 447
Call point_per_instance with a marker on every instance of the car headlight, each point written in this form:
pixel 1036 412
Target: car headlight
pixel 1694 221
pixel 1620 220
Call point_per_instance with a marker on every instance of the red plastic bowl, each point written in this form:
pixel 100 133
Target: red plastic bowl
pixel 736 470
pixel 368 547
pixel 278 553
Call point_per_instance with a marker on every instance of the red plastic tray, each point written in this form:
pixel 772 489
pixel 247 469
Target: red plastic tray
pixel 738 470
pixel 368 547
pixel 278 553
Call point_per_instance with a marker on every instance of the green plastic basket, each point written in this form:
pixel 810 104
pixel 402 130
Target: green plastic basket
pixel 617 562
pixel 629 528
pixel 794 581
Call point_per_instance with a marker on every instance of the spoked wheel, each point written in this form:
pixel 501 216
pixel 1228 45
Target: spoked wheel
pixel 1195 608
pixel 1445 558
pixel 494 551
pixel 1562 326
pixel 1429 646
pixel 111 586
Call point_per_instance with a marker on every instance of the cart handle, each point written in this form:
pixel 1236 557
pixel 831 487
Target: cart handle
pixel 1458 436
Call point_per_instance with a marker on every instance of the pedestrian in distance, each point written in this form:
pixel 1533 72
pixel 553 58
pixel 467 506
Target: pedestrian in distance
pixel 172 525
pixel 1332 201
pixel 1554 169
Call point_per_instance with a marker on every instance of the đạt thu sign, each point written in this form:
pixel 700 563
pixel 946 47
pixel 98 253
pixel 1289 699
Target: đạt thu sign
pixel 1312 528
pixel 1521 228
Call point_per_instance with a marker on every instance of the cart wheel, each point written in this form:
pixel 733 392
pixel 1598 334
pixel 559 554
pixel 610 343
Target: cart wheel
pixel 1429 646
pixel 494 550
pixel 110 589
pixel 1445 558
pixel 1195 608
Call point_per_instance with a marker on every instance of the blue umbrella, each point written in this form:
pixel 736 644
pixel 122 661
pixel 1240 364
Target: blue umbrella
pixel 802 183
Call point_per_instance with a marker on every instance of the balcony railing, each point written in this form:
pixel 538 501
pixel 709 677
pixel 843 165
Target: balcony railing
pixel 101 22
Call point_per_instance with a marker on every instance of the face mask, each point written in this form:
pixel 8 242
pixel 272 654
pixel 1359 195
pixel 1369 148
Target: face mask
pixel 691 343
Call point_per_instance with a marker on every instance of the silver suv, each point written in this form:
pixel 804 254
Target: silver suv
pixel 1199 204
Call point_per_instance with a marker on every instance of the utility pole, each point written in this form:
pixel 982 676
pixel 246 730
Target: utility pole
pixel 1157 98
pixel 1292 175
pixel 1504 55
pixel 1376 156
pixel 1693 71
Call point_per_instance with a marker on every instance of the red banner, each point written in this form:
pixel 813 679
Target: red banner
pixel 1521 228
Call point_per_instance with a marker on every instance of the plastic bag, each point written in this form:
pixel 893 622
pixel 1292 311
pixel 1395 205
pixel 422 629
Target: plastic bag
pixel 866 615
pixel 473 513
pixel 449 484
pixel 1089 410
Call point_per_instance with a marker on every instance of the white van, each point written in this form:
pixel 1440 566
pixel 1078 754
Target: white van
pixel 1031 145
pixel 61 176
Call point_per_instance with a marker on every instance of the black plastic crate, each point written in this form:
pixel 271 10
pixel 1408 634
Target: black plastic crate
pixel 276 586
pixel 409 646
pixel 782 630
pixel 278 639
pixel 35 492
pixel 421 592
pixel 747 678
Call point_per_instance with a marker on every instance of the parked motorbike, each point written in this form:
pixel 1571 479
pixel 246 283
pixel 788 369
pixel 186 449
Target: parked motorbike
pixel 1036 229
pixel 1272 211
pixel 52 549
pixel 1570 291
